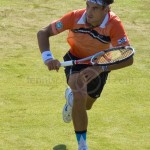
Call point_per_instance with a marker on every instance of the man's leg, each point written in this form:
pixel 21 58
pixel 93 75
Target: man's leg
pixel 67 110
pixel 67 114
pixel 89 103
pixel 79 114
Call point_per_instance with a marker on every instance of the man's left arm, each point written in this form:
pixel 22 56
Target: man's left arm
pixel 119 38
pixel 123 64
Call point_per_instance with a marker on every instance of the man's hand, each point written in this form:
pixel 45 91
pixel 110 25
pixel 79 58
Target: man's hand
pixel 88 74
pixel 53 64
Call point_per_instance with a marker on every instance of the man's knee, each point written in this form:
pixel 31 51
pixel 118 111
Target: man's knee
pixel 77 83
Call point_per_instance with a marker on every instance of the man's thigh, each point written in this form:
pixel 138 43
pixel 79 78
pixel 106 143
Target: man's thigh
pixel 77 83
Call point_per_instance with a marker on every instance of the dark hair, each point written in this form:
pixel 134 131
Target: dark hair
pixel 107 2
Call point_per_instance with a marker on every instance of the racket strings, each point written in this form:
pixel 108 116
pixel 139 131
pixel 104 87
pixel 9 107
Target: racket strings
pixel 113 56
pixel 120 54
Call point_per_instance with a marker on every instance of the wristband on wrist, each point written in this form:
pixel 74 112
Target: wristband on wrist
pixel 46 55
pixel 104 68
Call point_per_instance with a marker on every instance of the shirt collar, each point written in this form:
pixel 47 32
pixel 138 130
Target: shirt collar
pixel 82 20
pixel 103 25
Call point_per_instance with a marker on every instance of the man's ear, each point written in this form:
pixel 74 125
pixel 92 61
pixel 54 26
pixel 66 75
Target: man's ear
pixel 107 9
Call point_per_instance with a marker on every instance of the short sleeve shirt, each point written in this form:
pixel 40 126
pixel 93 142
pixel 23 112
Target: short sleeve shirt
pixel 85 41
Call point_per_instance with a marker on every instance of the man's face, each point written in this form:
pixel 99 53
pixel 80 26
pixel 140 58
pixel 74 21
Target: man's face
pixel 94 13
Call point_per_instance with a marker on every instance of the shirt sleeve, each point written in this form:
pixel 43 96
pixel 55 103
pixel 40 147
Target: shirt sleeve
pixel 64 23
pixel 118 35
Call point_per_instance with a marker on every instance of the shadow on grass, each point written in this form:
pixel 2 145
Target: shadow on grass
pixel 60 147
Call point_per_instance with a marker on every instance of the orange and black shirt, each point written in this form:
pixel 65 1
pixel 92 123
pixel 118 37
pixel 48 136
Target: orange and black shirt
pixel 85 41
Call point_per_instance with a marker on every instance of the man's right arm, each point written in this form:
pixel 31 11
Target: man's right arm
pixel 64 23
pixel 44 46
pixel 43 38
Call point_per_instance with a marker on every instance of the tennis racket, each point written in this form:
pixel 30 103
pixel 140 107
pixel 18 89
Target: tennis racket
pixel 109 56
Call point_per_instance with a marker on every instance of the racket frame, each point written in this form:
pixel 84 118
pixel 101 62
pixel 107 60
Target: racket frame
pixel 80 61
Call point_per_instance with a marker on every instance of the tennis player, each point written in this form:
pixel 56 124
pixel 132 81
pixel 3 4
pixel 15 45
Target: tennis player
pixel 91 30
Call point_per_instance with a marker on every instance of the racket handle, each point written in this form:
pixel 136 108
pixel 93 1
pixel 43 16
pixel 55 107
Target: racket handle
pixel 66 63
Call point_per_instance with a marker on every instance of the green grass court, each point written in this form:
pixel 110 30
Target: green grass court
pixel 32 98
